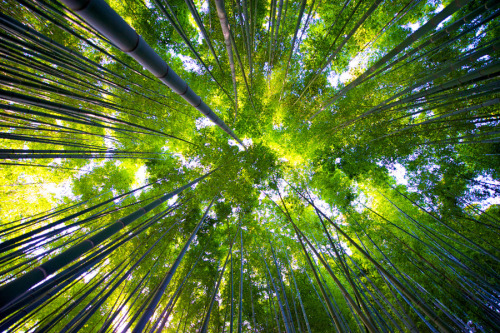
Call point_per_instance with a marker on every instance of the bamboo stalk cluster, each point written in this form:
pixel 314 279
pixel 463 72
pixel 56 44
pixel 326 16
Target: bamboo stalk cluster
pixel 250 245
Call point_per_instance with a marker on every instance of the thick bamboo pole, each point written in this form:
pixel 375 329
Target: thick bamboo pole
pixel 105 20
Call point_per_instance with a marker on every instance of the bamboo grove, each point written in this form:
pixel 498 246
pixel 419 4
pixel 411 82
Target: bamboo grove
pixel 249 165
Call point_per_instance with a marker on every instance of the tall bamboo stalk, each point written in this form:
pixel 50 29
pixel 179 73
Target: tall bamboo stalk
pixel 110 24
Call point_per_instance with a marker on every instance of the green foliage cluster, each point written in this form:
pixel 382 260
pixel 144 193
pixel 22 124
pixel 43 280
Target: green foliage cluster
pixel 365 197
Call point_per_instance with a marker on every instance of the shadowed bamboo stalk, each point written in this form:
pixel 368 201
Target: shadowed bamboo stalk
pixel 342 44
pixel 278 297
pixel 206 320
pixel 199 23
pixel 240 306
pixel 155 299
pixel 297 26
pixel 224 24
pixel 298 293
pixel 231 320
pixel 242 72
pixel 282 287
pixel 170 305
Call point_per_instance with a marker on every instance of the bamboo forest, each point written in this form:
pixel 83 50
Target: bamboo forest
pixel 289 166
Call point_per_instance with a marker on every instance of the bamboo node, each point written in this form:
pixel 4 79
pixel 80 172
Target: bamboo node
pixel 185 91
pixel 40 268
pixel 199 103
pixel 90 241
pixel 136 44
pixel 82 7
pixel 166 73
pixel 121 222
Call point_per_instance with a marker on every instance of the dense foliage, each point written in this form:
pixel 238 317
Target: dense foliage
pixel 364 196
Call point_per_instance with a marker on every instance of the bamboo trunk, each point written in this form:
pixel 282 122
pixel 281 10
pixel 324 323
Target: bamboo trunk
pixel 110 24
